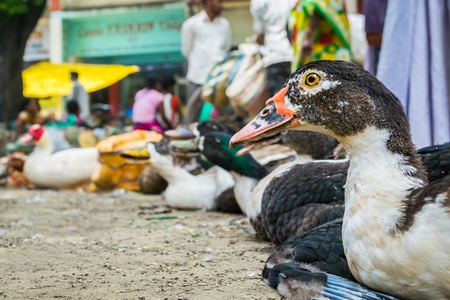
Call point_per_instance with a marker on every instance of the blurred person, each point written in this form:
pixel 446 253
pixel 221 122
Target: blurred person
pixel 414 65
pixel 320 31
pixel 72 118
pixel 169 113
pixel 80 95
pixel 99 118
pixel 145 106
pixel 203 37
pixel 70 124
pixel 374 12
pixel 73 110
pixel 29 114
pixel 270 19
pixel 129 108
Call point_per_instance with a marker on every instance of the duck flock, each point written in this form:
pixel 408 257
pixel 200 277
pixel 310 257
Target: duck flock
pixel 371 225
pixel 374 224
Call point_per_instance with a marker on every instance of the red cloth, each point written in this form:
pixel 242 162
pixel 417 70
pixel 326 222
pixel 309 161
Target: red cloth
pixel 154 125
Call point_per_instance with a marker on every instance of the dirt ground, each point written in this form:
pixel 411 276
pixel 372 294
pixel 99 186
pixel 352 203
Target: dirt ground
pixel 74 245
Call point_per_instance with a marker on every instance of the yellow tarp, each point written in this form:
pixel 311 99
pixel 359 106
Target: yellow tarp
pixel 45 79
pixel 52 106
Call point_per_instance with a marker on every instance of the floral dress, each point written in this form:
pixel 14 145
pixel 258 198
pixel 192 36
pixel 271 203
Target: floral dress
pixel 331 40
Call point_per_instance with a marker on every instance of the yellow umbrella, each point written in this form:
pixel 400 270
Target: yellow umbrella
pixel 45 79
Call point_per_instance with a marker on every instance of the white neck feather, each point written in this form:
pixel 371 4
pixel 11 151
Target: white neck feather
pixel 303 158
pixel 243 191
pixel 378 180
pixel 165 166
pixel 45 145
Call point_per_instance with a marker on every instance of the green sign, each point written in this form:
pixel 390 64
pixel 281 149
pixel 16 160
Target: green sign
pixel 143 31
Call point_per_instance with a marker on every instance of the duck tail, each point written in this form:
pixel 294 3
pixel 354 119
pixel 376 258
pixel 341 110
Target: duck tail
pixel 293 281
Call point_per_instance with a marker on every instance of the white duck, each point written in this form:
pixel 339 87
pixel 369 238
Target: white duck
pixel 185 190
pixel 396 225
pixel 63 169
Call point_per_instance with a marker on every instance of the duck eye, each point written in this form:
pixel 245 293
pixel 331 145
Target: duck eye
pixel 312 80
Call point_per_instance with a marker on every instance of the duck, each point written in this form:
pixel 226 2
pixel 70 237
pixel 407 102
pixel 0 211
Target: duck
pixel 245 170
pixel 319 245
pixel 190 135
pixel 395 223
pixel 299 196
pixel 185 190
pixel 307 205
pixel 64 169
pixel 248 174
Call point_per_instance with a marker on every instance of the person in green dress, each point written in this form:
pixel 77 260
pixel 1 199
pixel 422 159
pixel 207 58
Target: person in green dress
pixel 319 31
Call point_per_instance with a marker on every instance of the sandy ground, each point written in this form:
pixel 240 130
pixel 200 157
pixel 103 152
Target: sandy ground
pixel 72 245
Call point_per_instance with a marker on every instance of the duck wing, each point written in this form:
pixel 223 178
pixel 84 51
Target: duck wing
pixel 436 160
pixel 320 247
pixel 283 207
pixel 294 282
pixel 302 219
pixel 435 193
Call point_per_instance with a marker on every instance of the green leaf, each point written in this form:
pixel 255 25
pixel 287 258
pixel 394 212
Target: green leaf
pixel 18 7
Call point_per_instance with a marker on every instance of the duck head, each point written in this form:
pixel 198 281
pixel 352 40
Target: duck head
pixel 187 139
pixel 336 98
pixel 211 143
pixel 35 134
pixel 202 128
pixel 307 143
pixel 214 147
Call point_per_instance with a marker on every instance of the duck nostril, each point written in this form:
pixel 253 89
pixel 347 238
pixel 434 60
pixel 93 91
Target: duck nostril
pixel 265 112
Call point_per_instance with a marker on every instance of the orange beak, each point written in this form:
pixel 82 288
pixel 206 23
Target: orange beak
pixel 275 117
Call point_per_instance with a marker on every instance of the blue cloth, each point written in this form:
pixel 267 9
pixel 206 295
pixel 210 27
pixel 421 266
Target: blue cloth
pixel 414 65
pixel 374 12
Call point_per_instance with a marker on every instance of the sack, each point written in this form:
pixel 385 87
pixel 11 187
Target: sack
pixel 247 91
pixel 237 80
pixel 221 74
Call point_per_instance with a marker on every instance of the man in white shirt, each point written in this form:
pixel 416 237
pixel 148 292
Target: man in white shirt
pixel 270 20
pixel 203 37
pixel 80 95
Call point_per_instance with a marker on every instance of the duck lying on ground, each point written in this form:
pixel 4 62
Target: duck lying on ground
pixel 63 169
pixel 395 224
pixel 320 247
pixel 185 190
pixel 248 173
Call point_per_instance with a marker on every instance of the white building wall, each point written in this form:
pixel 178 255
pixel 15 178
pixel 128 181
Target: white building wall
pixel 56 38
